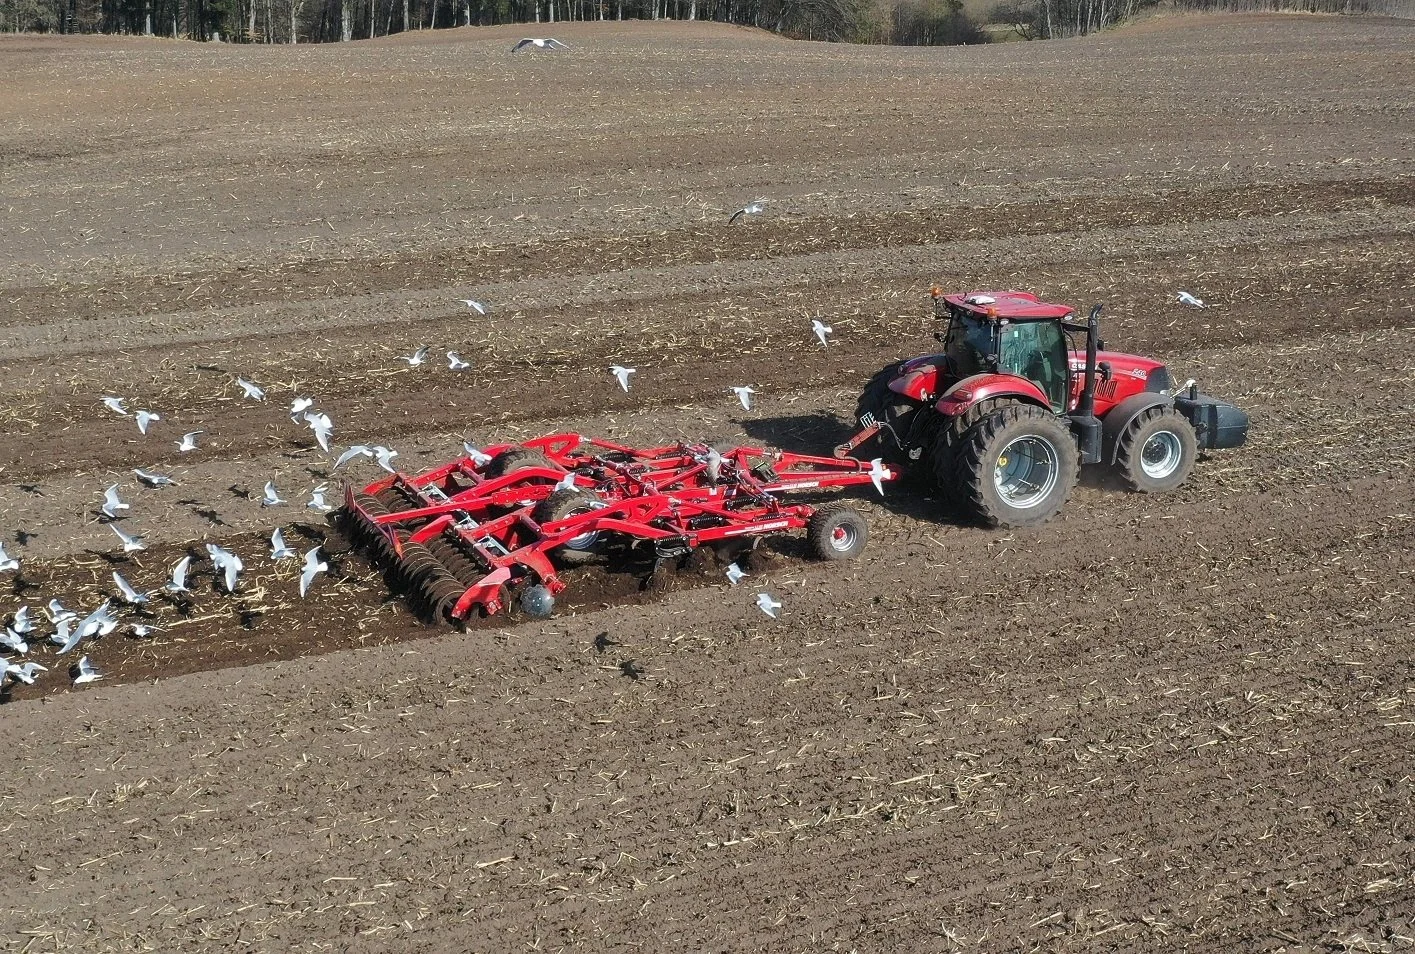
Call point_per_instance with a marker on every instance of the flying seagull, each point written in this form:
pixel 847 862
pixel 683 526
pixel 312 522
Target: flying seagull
pixel 145 418
pixel 385 457
pixel 455 362
pixel 57 612
pixel 539 43
pixel 228 563
pixel 130 596
pixel 142 630
pixel 567 482
pixel 755 207
pixel 271 498
pixel 417 357
pixel 474 305
pixel 25 673
pixel 254 392
pixel 13 641
pixel 84 672
pixel 154 480
pixel 478 459
pixel 317 502
pixel 767 605
pixel 358 450
pixel 188 441
pixel 278 549
pixel 299 406
pixel 622 374
pixel 879 474
pixel 322 426
pixel 313 565
pixel 22 623
pixel 178 583
pixel 111 503
pixel 115 404
pixel 1187 299
pixel 745 396
pixel 132 543
pixel 821 329
pixel 734 574
pixel 7 562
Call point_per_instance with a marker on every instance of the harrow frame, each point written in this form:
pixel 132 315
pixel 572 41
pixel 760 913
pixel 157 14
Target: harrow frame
pixel 460 537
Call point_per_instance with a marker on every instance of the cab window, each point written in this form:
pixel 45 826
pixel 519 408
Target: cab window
pixel 1036 350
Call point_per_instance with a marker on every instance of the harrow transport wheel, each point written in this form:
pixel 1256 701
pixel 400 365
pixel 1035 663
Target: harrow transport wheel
pixel 577 551
pixel 1157 451
pixel 1016 467
pixel 837 531
pixel 517 458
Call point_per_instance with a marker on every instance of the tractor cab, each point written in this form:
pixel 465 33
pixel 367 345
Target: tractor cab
pixel 1008 333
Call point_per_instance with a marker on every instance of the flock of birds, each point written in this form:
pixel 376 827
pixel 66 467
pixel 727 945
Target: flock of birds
pixel 69 632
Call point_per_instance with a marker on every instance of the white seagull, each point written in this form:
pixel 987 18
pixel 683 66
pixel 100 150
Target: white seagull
pixel 142 630
pixel 539 43
pixel 13 641
pixel 25 673
pixel 567 482
pixel 474 305
pixel 1187 299
pixel 278 549
pixel 178 583
pixel 84 672
pixel 115 404
pixel 254 392
pixel 744 395
pixel 299 406
pixel 358 450
pixel 879 474
pixel 622 374
pixel 111 503
pixel 145 418
pixel 132 543
pixel 7 562
pixel 417 357
pixel 57 612
pixel 22 623
pixel 188 441
pixel 154 480
pixel 714 464
pixel 130 596
pixel 322 426
pixel 767 605
pixel 455 362
pixel 271 498
pixel 228 563
pixel 317 502
pixel 821 329
pixel 313 565
pixel 478 459
pixel 385 457
pixel 734 574
pixel 755 207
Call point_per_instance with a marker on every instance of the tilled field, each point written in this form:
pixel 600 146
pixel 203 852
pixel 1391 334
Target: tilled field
pixel 1176 722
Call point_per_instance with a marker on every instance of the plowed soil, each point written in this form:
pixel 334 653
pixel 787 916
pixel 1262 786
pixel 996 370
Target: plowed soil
pixel 1180 722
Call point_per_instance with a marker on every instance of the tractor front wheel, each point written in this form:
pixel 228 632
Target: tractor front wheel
pixel 837 532
pixel 1016 467
pixel 1157 451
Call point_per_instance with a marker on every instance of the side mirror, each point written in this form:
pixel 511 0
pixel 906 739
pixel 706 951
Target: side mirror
pixel 1100 344
pixel 1106 371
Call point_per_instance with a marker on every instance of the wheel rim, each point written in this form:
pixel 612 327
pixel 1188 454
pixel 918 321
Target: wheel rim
pixel 842 539
pixel 1161 454
pixel 1026 472
pixel 588 539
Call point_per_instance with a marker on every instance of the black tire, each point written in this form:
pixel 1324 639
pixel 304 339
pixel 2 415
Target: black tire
pixel 948 437
pixel 889 408
pixel 517 458
pixel 1157 451
pixel 1012 449
pixel 837 531
pixel 568 503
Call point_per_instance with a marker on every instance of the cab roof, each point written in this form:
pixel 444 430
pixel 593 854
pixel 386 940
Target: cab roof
pixel 1013 305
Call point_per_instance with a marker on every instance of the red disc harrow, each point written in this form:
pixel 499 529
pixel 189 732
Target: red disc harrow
pixel 462 537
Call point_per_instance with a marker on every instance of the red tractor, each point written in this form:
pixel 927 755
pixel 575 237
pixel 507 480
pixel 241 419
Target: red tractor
pixel 1006 414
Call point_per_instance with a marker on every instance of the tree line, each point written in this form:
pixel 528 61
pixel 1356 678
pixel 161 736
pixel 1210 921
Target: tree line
pixel 318 21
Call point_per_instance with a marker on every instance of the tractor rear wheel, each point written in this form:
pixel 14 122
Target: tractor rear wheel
pixel 517 458
pixel 1157 451
pixel 948 437
pixel 1016 467
pixel 837 531
pixel 560 505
